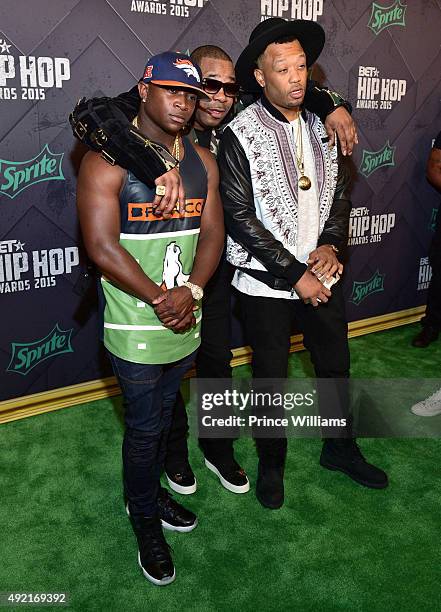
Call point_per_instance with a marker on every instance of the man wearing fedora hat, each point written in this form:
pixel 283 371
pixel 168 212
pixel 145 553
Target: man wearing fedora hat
pixel 286 206
pixel 107 116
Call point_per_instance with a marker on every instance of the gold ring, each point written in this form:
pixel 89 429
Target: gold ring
pixel 160 190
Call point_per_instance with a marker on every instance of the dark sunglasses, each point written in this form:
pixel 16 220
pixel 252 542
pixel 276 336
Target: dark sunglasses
pixel 212 86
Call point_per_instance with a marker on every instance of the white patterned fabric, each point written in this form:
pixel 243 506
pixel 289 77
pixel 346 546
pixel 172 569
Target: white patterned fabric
pixel 269 147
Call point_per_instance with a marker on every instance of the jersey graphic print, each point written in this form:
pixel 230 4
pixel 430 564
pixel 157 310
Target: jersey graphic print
pixel 172 273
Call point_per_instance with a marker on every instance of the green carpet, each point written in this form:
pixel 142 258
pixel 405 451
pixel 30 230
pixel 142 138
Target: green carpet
pixel 333 546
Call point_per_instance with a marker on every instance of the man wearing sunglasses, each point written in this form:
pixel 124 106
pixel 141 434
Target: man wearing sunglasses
pixel 90 119
pixel 219 82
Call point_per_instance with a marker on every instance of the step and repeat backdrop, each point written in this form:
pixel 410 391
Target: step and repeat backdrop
pixel 383 56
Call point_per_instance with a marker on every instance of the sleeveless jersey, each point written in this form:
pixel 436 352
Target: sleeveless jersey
pixel 165 250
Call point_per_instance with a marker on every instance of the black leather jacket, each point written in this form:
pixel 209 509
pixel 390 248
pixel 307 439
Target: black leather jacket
pixel 242 224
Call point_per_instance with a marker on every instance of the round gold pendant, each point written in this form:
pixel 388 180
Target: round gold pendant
pixel 304 183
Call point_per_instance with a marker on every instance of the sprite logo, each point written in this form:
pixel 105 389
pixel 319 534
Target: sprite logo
pixel 383 17
pixel 15 177
pixel 372 160
pixel 25 356
pixel 360 291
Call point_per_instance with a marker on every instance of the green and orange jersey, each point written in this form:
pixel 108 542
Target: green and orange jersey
pixel 165 250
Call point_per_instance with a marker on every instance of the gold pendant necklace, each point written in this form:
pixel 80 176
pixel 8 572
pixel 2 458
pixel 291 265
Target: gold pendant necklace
pixel 176 151
pixel 304 181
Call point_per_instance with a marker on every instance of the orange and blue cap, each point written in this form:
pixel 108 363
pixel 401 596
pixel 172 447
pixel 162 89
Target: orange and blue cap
pixel 172 69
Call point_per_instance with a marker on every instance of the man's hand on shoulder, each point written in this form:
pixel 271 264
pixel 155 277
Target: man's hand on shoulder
pixel 174 194
pixel 174 187
pixel 340 121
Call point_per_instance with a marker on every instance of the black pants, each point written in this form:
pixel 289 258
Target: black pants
pixel 432 317
pixel 268 325
pixel 213 361
pixel 149 393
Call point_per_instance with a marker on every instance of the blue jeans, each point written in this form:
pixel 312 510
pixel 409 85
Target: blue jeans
pixel 149 393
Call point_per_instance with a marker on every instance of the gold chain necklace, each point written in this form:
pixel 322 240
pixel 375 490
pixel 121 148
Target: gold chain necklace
pixel 176 151
pixel 304 181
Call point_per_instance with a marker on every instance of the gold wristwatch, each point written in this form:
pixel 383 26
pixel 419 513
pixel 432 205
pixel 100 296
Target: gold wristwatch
pixel 196 291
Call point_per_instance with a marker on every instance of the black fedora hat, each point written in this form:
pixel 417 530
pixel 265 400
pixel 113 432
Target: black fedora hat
pixel 309 33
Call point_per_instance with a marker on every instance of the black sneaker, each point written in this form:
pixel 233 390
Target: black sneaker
pixel 232 477
pixel 345 456
pixel 181 480
pixel 174 517
pixel 270 490
pixel 153 551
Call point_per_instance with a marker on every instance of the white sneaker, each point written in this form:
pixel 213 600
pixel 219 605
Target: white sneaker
pixel 431 406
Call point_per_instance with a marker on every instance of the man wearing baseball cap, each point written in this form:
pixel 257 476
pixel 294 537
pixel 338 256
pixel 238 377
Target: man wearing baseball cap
pixel 108 115
pixel 153 271
pixel 286 207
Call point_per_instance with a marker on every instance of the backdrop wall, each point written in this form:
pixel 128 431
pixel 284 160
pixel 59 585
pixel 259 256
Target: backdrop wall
pixel 383 56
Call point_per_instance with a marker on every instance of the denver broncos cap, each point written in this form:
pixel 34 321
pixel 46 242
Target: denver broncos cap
pixel 173 69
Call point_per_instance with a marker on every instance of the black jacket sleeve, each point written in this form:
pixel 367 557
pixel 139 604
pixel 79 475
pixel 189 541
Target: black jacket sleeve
pixel 336 228
pixel 128 102
pixel 104 125
pixel 322 101
pixel 241 221
pixel 95 113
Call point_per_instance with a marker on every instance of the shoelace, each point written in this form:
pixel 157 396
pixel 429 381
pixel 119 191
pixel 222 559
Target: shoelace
pixel 356 450
pixel 350 447
pixel 156 543
pixel 167 504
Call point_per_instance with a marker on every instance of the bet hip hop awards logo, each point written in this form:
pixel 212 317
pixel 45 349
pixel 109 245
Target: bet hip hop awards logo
pixel 35 74
pixel 291 9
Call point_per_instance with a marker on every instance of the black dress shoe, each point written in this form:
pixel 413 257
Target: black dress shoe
pixel 181 480
pixel 154 557
pixel 174 516
pixel 231 476
pixel 269 487
pixel 345 456
pixel 427 335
